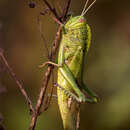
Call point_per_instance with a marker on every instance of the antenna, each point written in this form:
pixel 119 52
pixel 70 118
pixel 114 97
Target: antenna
pixel 85 11
pixel 85 6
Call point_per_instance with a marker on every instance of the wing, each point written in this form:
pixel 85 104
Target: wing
pixel 88 41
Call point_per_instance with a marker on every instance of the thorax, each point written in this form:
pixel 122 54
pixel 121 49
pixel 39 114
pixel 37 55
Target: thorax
pixel 72 40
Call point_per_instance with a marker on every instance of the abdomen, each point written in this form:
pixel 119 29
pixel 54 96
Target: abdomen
pixel 69 109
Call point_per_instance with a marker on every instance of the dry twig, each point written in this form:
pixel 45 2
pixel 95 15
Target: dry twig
pixel 44 85
pixel 35 112
pixel 9 69
pixel 48 72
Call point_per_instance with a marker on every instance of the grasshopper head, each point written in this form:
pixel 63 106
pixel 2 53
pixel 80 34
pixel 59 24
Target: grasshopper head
pixel 79 21
pixel 75 22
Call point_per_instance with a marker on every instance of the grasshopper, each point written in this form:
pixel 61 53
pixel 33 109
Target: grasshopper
pixel 74 45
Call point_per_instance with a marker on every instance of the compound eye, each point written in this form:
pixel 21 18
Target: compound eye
pixel 81 20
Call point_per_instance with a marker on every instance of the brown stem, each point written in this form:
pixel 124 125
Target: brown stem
pixel 43 38
pixel 50 67
pixel 66 8
pixel 51 93
pixel 57 21
pixel 46 77
pixel 53 10
pixel 9 69
pixel 45 82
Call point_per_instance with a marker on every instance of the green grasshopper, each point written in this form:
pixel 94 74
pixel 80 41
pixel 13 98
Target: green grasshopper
pixel 75 43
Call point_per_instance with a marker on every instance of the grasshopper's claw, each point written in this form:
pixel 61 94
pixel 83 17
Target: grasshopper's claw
pixel 82 98
pixel 93 100
pixel 96 99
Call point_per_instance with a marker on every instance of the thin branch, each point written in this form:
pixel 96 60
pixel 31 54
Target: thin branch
pixel 59 7
pixel 53 10
pixel 48 72
pixel 49 97
pixel 9 69
pixel 46 77
pixel 52 88
pixel 66 8
pixel 45 82
pixel 43 38
pixel 57 21
pixel 45 11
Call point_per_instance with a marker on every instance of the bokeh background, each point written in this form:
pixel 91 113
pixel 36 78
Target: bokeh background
pixel 107 68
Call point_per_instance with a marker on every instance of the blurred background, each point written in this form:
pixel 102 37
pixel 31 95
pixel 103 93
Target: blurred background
pixel 107 68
